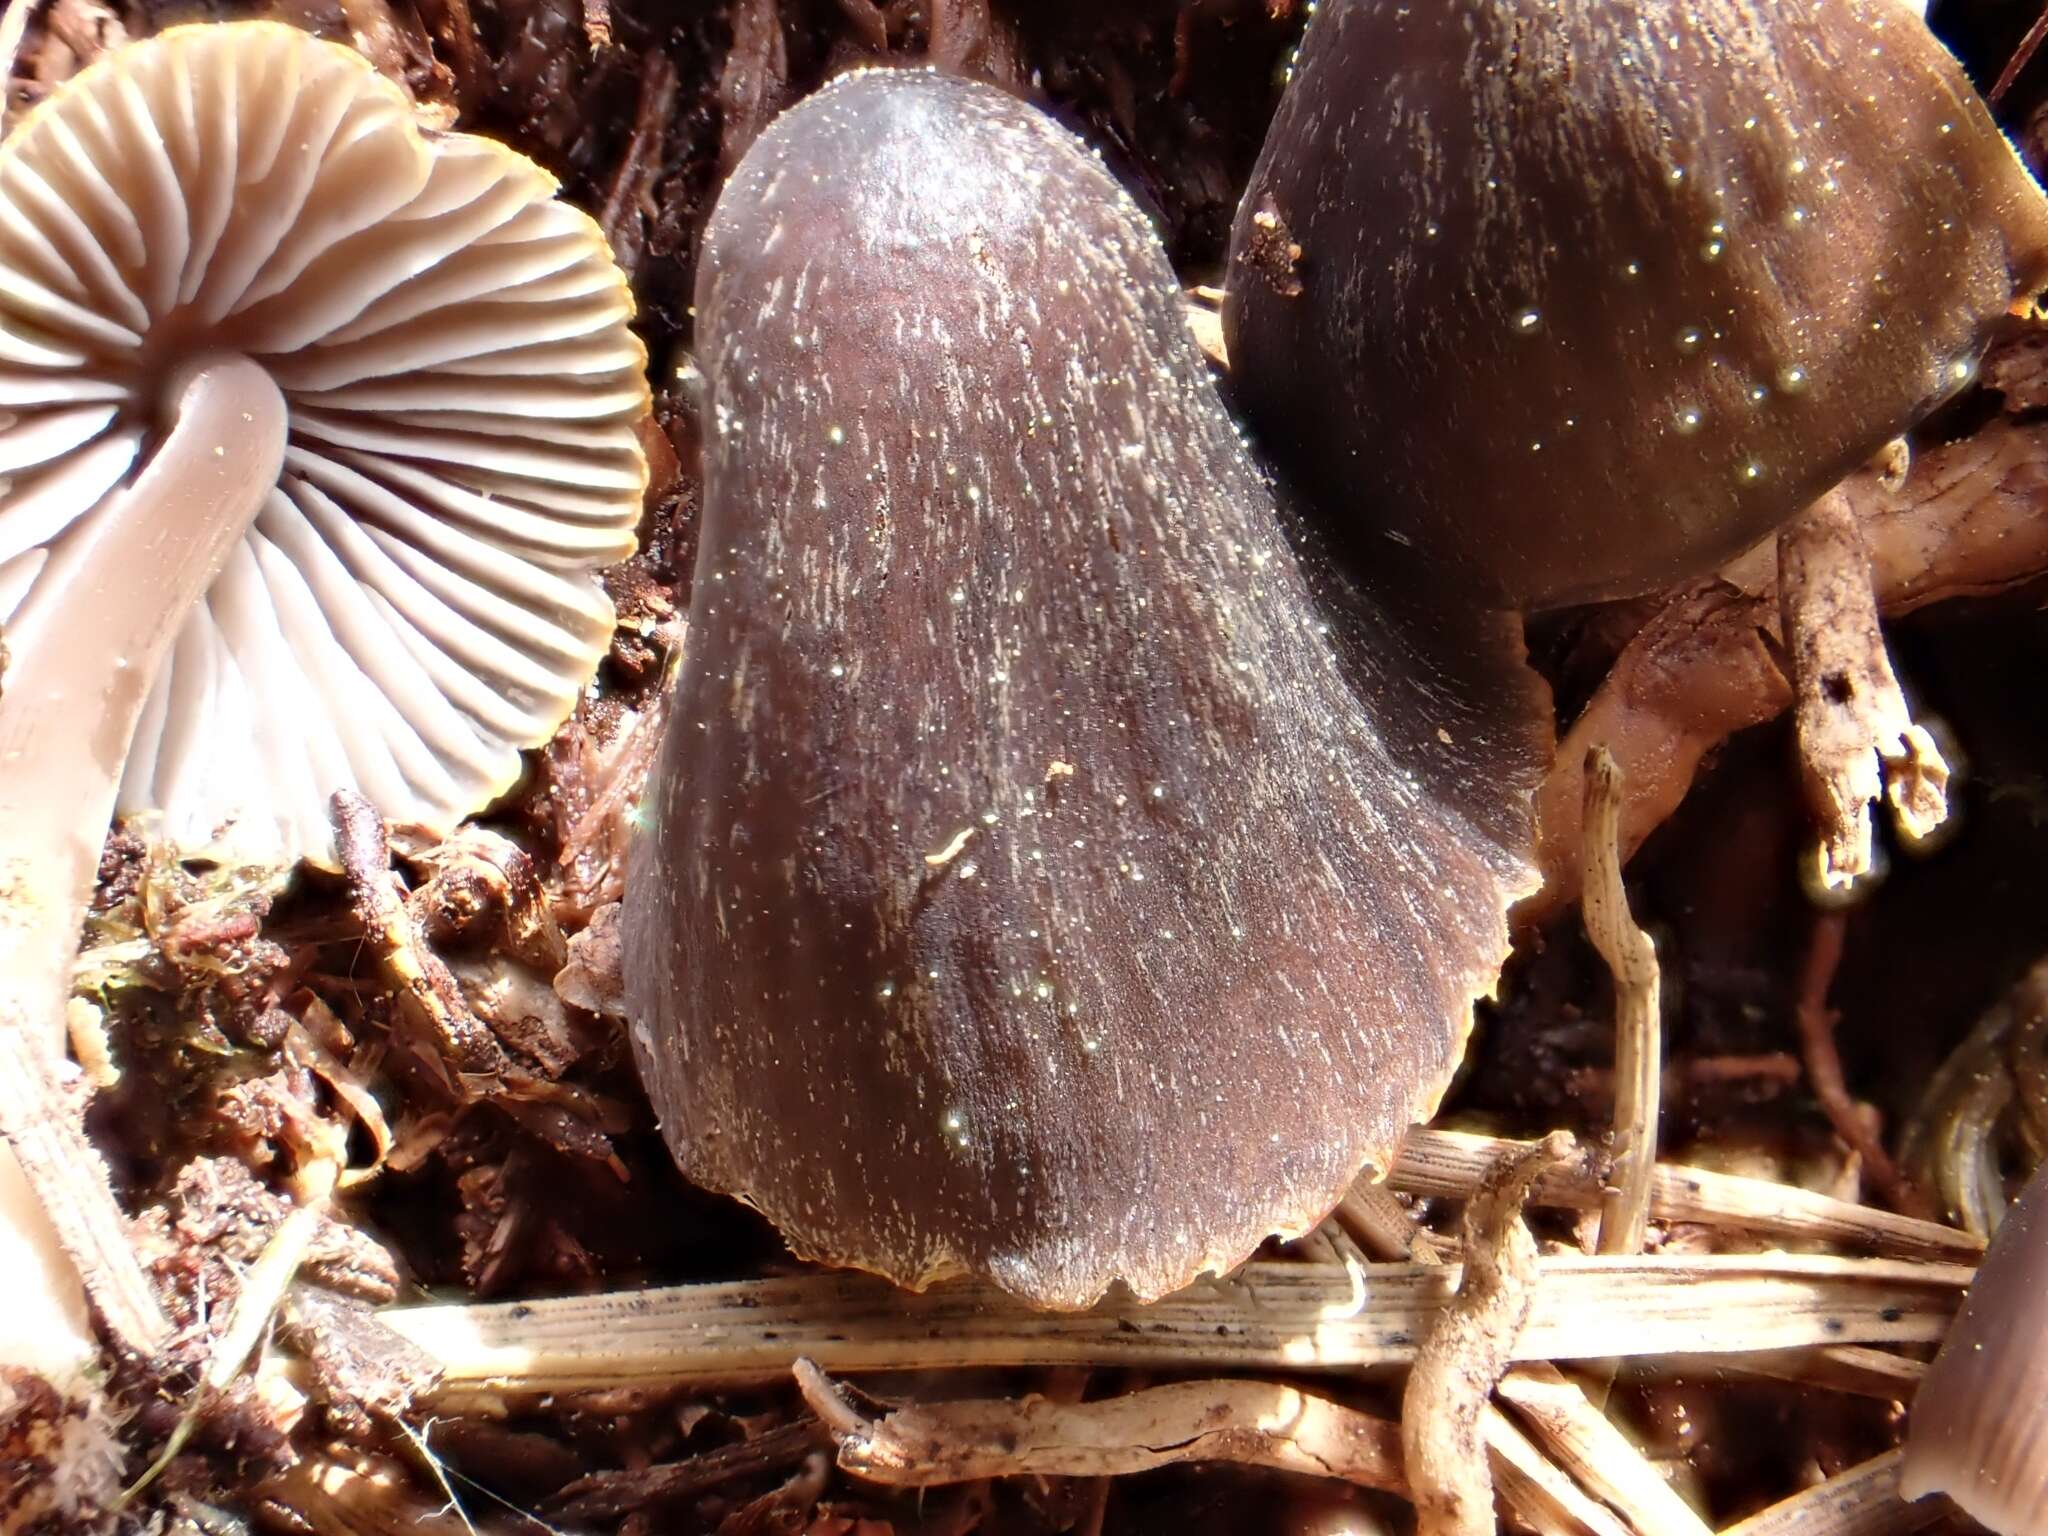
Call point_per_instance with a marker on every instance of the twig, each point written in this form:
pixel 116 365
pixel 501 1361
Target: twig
pixel 1467 1348
pixel 1451 1163
pixel 1857 739
pixel 1270 1316
pixel 1253 1423
pixel 1585 1442
pixel 1863 1501
pixel 1701 669
pixel 1638 1016
pixel 1824 1065
pixel 2021 57
pixel 70 1180
pixel 631 192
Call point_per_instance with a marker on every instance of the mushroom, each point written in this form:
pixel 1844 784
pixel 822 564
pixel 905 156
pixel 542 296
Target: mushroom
pixel 1040 878
pixel 1576 300
pixel 1977 1427
pixel 313 429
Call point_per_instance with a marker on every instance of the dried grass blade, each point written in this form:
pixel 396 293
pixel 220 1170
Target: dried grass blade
pixel 1581 1439
pixel 1544 1499
pixel 1863 1501
pixel 1452 1163
pixel 1272 1316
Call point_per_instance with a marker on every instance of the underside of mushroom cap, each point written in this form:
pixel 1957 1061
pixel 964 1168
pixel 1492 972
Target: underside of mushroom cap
pixel 415 602
pixel 1034 886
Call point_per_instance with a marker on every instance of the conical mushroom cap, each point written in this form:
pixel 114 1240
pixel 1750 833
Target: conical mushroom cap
pixel 1032 887
pixel 416 601
pixel 1578 298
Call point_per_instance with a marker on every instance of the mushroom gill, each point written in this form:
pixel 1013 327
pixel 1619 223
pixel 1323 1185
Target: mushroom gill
pixel 1039 880
pixel 313 429
pixel 409 602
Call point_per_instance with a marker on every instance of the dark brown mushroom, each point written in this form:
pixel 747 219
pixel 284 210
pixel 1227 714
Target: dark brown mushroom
pixel 1038 882
pixel 1576 299
pixel 1979 1431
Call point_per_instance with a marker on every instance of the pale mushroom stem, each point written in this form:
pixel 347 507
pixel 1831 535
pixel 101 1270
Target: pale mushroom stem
pixel 85 652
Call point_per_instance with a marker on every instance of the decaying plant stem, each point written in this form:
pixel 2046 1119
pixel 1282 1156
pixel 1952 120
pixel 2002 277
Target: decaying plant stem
pixel 1638 1014
pixel 1467 1349
pixel 1253 1423
pixel 1863 1501
pixel 1857 740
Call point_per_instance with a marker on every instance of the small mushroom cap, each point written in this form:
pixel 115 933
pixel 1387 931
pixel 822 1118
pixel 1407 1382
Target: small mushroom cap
pixel 1032 886
pixel 414 603
pixel 1979 1431
pixel 1577 299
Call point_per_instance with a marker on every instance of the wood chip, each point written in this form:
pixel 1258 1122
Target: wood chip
pixel 1857 740
pixel 1253 1423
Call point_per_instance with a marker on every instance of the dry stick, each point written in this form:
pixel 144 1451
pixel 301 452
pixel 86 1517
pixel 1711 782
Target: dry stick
pixel 1270 1316
pixel 1254 1423
pixel 1467 1349
pixel 1638 1022
pixel 1863 1501
pixel 1451 1163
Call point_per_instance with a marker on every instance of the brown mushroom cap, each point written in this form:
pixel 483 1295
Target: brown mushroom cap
pixel 1979 1431
pixel 413 602
pixel 1577 299
pixel 1034 885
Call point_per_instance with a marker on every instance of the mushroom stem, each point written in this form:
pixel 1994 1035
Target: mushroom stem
pixel 120 587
